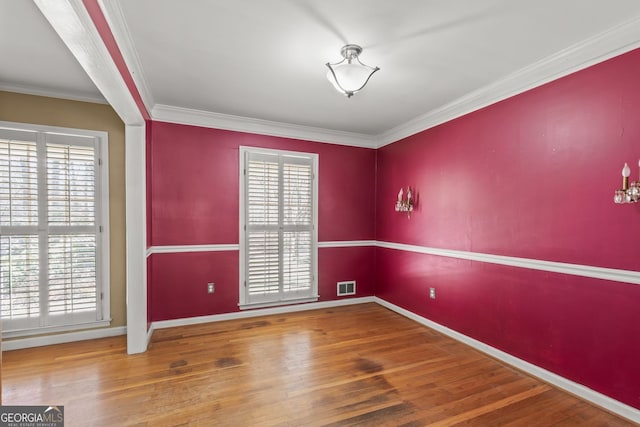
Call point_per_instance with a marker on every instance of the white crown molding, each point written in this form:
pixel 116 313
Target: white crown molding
pixel 572 387
pixel 615 41
pixel 112 11
pixel 612 274
pixel 71 21
pixel 167 113
pixel 32 90
pixel 246 314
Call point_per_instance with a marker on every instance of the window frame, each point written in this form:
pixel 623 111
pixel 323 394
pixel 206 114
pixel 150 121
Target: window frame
pixel 244 303
pixel 102 230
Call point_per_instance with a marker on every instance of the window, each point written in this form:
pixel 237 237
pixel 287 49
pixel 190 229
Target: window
pixel 278 227
pixel 53 234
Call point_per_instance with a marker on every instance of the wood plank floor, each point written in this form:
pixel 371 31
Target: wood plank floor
pixel 354 365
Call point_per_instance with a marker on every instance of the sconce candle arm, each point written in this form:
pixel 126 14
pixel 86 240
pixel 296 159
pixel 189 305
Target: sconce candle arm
pixel 630 192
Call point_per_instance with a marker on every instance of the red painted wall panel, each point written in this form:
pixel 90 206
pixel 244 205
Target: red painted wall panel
pixel 345 264
pixel 532 176
pixel 179 284
pixel 195 175
pixel 583 329
pixel 179 287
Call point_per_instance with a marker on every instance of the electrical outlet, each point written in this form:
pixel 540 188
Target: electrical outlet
pixel 432 293
pixel 211 288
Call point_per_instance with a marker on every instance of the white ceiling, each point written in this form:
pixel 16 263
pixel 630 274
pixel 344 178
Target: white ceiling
pixel 33 59
pixel 264 59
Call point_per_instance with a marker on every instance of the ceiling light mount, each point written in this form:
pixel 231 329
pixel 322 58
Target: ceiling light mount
pixel 350 51
pixel 350 75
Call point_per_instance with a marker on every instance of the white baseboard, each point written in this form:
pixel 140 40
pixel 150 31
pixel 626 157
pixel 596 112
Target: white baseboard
pixel 246 314
pixel 572 387
pixel 149 334
pixel 20 343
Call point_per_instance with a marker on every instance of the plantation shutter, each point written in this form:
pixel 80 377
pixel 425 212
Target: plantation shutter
pixel 20 248
pixel 49 232
pixel 71 201
pixel 279 229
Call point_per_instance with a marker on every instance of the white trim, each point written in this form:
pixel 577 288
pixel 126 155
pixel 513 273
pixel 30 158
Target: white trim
pixel 150 334
pixel 615 41
pixel 71 21
pixel 104 231
pixel 252 306
pixel 55 329
pixel 168 113
pixel 612 274
pixel 33 90
pixel 572 387
pixel 162 324
pixel 174 249
pixel 347 244
pixel 625 276
pixel 17 344
pixel 112 11
pixel 136 242
pixel 102 135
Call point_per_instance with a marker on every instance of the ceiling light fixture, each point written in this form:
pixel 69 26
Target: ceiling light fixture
pixel 350 75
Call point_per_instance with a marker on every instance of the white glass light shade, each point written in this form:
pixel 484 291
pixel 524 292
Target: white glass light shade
pixel 349 78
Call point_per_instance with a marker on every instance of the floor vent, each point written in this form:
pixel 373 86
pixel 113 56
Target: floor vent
pixel 347 288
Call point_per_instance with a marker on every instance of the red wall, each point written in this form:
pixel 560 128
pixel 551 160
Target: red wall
pixel 532 176
pixel 194 201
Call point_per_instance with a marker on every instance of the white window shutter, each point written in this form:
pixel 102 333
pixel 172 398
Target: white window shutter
pixel 279 231
pixel 50 242
pixel 18 181
pixel 20 280
pixel 72 274
pixel 71 184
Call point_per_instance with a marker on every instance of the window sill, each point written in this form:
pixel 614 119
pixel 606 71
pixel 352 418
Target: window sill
pixel 55 329
pixel 277 303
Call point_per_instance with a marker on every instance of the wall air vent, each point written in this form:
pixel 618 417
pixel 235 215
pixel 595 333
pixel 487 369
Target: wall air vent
pixel 347 288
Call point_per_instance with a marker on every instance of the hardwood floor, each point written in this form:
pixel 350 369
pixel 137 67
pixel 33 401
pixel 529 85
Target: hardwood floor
pixel 354 365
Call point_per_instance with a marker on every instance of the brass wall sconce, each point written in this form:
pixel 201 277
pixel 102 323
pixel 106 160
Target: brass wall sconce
pixel 405 204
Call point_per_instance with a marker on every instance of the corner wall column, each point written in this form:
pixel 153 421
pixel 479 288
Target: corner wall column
pixel 136 239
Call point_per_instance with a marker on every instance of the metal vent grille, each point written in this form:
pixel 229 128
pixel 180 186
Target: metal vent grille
pixel 347 288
